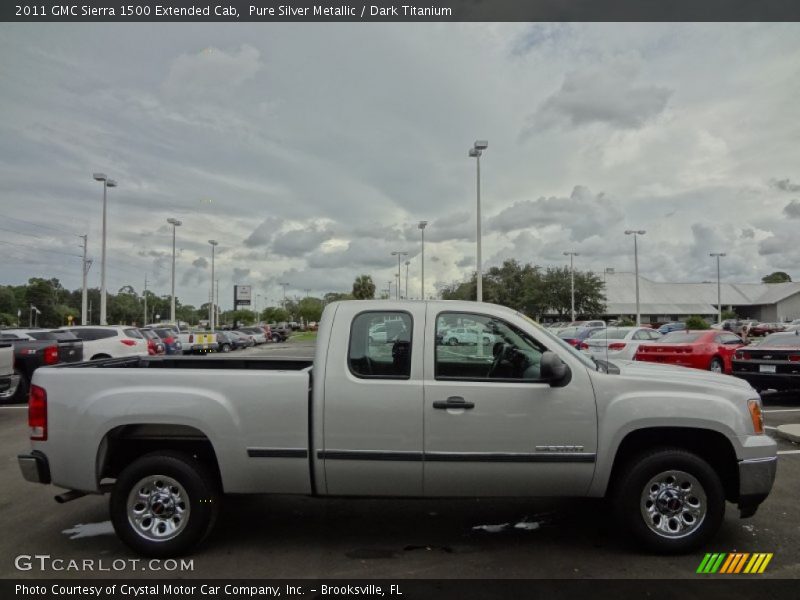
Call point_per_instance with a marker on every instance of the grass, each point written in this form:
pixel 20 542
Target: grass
pixel 303 336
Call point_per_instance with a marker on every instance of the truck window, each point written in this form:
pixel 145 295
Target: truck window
pixel 489 349
pixel 380 345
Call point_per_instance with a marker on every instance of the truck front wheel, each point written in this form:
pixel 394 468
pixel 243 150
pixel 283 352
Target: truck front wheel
pixel 671 500
pixel 163 504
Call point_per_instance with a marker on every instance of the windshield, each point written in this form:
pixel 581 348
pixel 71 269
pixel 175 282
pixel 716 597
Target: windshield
pixel 561 344
pixel 611 334
pixel 782 339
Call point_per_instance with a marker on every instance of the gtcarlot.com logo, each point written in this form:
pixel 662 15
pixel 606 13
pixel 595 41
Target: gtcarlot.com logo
pixel 735 563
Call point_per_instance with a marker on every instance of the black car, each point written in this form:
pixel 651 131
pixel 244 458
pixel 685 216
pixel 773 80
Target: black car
pixel 772 364
pixel 225 342
pixel 34 348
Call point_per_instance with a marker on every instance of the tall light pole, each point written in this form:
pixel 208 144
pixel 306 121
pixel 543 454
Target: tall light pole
pixel 572 280
pixel 284 286
pixel 408 262
pixel 389 294
pixel 84 291
pixel 399 256
pixel 475 152
pixel 211 307
pixel 175 223
pixel 107 183
pixel 718 255
pixel 422 225
pixel 636 233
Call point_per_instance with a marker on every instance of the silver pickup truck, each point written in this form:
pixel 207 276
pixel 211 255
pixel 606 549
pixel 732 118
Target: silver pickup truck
pixel 9 379
pixel 523 414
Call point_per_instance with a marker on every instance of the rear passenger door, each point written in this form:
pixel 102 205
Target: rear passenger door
pixel 372 415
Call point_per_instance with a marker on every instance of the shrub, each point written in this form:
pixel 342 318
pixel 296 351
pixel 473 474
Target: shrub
pixel 695 322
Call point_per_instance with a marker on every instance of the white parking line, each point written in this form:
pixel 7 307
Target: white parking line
pixel 788 451
pixel 9 407
pixel 768 427
pixel 777 410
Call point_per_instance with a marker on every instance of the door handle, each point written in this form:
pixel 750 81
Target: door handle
pixel 453 402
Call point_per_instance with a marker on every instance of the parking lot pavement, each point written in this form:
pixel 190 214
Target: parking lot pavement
pixel 288 537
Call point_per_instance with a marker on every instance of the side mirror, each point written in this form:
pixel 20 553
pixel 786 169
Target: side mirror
pixel 553 370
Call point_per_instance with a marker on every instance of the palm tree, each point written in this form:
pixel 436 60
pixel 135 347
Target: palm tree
pixel 363 288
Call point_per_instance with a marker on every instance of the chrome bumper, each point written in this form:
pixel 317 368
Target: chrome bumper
pixel 8 386
pixel 34 467
pixel 756 476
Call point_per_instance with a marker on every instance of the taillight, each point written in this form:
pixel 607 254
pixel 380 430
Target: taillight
pixel 37 413
pixel 51 355
pixel 128 342
pixel 583 346
pixel 169 340
pixel 191 338
pixel 742 355
pixel 616 346
pixel 794 357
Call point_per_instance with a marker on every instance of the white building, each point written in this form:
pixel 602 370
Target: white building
pixel 662 302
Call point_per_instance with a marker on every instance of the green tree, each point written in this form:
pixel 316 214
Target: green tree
pixel 776 277
pixel 274 314
pixel 363 288
pixel 589 297
pixel 728 314
pixel 310 309
pixel 696 322
pixel 336 297
pixel 246 317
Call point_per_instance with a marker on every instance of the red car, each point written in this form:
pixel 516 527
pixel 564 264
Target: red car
pixel 710 350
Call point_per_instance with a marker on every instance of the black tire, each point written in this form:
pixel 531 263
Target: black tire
pixel 716 365
pixel 23 387
pixel 100 356
pixel 276 338
pixel 637 475
pixel 226 347
pixel 202 497
pixel 452 342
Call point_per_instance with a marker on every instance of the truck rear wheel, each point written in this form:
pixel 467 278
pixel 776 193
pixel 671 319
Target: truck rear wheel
pixel 163 504
pixel 671 500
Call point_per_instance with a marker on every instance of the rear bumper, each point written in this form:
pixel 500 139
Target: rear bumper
pixel 8 386
pixel 756 476
pixel 779 381
pixel 34 467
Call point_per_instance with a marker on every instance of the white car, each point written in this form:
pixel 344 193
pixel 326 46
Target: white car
pixel 466 335
pixel 377 334
pixel 109 341
pixel 618 343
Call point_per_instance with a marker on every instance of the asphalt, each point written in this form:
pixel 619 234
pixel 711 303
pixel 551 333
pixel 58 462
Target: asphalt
pixel 297 537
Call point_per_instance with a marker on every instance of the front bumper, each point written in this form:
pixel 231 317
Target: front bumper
pixel 34 467
pixel 756 476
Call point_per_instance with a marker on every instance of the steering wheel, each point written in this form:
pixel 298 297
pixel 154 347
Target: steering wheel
pixel 500 351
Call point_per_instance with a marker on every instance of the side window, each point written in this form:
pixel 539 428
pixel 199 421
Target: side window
pixel 729 339
pixel 642 335
pixel 380 345
pixel 133 333
pixel 486 348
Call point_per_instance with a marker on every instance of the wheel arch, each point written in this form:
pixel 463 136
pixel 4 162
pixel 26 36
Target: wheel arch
pixel 712 446
pixel 124 444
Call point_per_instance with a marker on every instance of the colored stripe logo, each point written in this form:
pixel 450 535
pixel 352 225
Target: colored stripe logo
pixel 734 563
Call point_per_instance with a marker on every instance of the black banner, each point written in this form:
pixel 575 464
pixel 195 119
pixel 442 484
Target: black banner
pixel 707 588
pixel 234 11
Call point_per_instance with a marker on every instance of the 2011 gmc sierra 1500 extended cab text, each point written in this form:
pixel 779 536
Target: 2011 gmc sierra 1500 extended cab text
pixel 408 417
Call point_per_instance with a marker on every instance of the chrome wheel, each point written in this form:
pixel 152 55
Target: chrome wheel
pixel 158 508
pixel 673 504
pixel 716 366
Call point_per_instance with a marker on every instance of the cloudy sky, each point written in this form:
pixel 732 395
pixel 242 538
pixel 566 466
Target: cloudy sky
pixel 310 151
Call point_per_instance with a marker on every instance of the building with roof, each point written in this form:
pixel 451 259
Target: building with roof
pixel 661 302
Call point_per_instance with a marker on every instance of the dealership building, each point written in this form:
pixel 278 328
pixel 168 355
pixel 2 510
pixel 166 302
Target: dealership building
pixel 661 302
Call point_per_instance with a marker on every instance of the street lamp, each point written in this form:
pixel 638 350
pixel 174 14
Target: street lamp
pixel 572 280
pixel 213 247
pixel 175 223
pixel 408 262
pixel 475 152
pixel 107 183
pixel 399 256
pixel 718 255
pixel 636 233
pixel 422 225
pixel 284 286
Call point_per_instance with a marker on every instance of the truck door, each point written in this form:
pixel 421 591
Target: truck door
pixel 372 416
pixel 492 426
